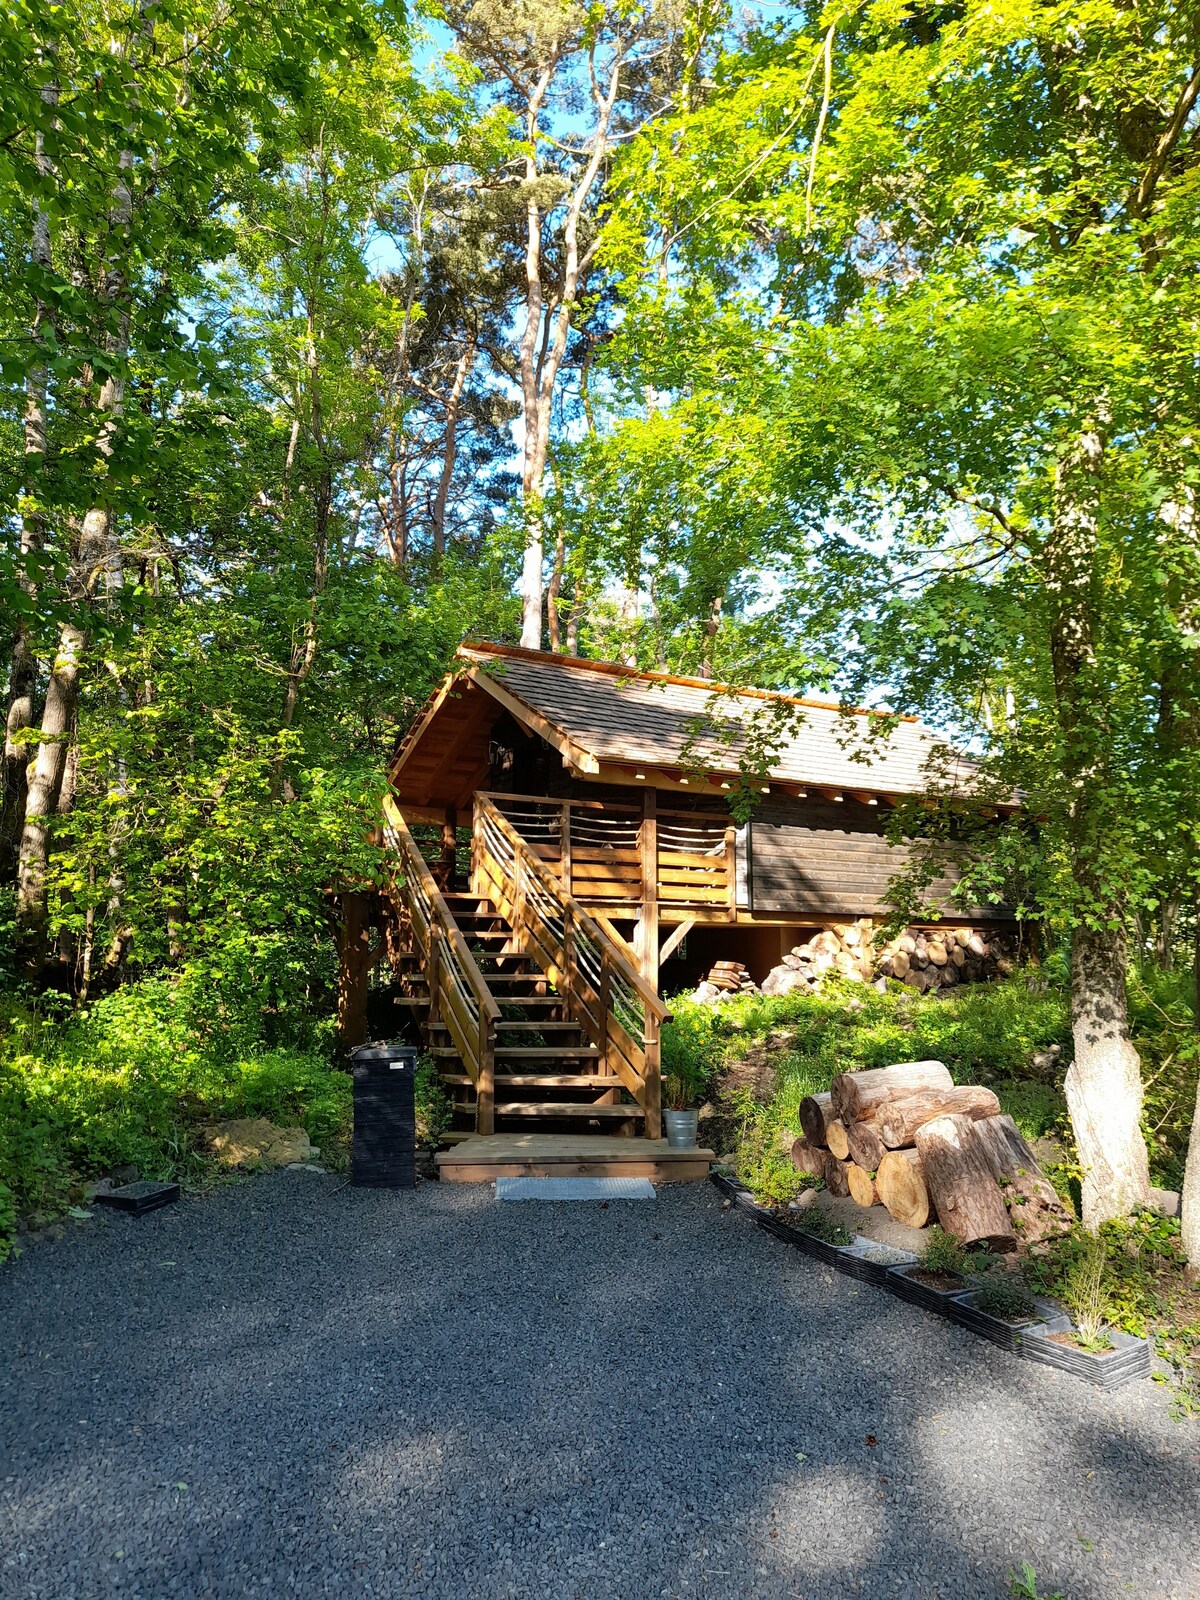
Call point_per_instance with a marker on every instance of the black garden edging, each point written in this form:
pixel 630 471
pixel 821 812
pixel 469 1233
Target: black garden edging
pixel 1128 1360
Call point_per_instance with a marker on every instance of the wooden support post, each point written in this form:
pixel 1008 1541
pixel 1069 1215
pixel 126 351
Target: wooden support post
pixel 446 866
pixel 731 870
pixel 354 966
pixel 648 923
pixel 653 1072
pixel 564 847
pixel 433 975
pixel 485 1089
pixel 678 934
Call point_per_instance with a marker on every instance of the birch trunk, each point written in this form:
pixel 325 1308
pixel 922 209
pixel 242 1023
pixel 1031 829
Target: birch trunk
pixel 1103 1085
pixel 539 371
pixel 23 672
pixel 437 515
pixel 1189 1209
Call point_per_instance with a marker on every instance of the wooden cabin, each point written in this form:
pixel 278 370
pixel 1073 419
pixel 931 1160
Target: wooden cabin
pixel 606 870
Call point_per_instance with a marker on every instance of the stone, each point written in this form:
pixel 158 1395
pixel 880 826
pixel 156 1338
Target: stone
pixel 257 1142
pixel 1165 1201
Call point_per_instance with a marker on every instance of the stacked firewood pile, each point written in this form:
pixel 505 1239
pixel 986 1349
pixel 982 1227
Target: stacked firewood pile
pixel 905 1137
pixel 725 978
pixel 921 958
pixel 844 950
pixel 942 957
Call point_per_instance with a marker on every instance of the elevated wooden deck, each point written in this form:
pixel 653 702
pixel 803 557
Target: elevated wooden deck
pixel 562 1155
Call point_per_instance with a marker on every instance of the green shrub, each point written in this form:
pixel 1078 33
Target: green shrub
pixel 433 1105
pixel 943 1253
pixel 822 1224
pixel 765 1167
pixel 133 1080
pixel 1005 1297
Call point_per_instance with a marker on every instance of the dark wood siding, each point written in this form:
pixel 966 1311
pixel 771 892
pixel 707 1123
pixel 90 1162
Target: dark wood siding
pixel 821 856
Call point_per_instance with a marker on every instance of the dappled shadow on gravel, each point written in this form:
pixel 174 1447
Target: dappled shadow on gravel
pixel 289 1387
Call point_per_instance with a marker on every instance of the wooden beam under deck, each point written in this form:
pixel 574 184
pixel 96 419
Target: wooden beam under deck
pixel 565 1155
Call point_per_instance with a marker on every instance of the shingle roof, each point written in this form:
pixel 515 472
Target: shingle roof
pixel 618 714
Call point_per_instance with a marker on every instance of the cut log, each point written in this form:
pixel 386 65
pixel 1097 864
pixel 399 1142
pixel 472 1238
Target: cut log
pixel 809 1158
pixel 837 1177
pixel 900 964
pixel 858 1095
pixel 862 1185
pixel 1035 1208
pixel 898 1120
pixel 838 1139
pixel 962 1186
pixel 816 1113
pixel 900 1184
pixel 865 1145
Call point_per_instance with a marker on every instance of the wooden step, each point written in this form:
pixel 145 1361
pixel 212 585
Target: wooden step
pixel 481 1158
pixel 538 1080
pixel 567 1108
pixel 528 1024
pixel 565 1052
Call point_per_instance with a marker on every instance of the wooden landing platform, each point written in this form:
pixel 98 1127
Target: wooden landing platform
pixel 564 1155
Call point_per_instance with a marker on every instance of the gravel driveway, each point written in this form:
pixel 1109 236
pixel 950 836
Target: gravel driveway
pixel 292 1388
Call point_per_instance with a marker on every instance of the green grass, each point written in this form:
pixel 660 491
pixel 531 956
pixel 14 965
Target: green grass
pixel 133 1081
pixel 987 1034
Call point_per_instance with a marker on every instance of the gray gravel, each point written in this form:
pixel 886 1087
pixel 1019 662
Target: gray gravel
pixel 292 1388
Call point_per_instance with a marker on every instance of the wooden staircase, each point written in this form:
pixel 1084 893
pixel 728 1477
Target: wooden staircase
pixel 546 1072
pixel 536 1018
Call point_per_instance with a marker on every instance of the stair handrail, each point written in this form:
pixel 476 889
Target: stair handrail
pixel 456 985
pixel 602 987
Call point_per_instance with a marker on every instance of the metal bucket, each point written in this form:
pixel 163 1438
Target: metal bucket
pixel 682 1128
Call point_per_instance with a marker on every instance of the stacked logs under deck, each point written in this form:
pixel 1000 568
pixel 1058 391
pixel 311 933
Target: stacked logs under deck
pixel 908 1138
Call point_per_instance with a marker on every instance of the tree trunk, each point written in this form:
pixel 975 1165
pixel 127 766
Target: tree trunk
pixel 862 1185
pixel 354 966
pixel 1034 1206
pixel 857 1096
pixel 437 515
pixel 836 1137
pixel 42 801
pixel 809 1158
pixel 1104 1083
pixel 23 671
pixel 901 1186
pixel 898 1121
pixel 554 597
pixel 865 1145
pixel 816 1113
pixel 837 1177
pixel 961 1184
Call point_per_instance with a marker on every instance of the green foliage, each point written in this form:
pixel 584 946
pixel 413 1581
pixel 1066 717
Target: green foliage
pixel 764 1164
pixel 985 1033
pixel 824 1225
pixel 1023 1585
pixel 1005 1297
pixel 943 1253
pixel 434 1108
pixel 1143 1291
pixel 135 1078
pixel 1083 1290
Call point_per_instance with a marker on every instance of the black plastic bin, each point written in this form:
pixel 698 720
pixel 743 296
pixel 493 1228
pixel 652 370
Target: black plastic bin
pixel 383 1155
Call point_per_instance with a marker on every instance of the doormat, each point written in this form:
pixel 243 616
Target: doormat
pixel 574 1189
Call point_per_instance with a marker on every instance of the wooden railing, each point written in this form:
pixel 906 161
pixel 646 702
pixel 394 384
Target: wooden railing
pixel 596 848
pixel 616 1007
pixel 459 997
